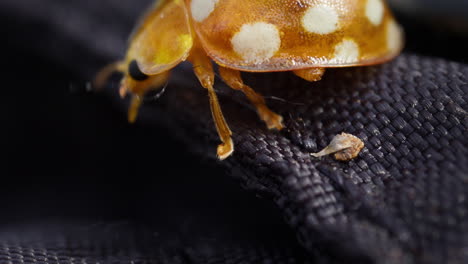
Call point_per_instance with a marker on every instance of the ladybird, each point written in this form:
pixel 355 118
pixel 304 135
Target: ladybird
pixel 302 36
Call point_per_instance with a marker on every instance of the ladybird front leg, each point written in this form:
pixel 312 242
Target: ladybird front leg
pixel 311 74
pixel 203 69
pixel 134 106
pixel 234 80
pixel 138 88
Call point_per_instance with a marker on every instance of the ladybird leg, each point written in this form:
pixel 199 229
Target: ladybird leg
pixel 311 74
pixel 138 89
pixel 135 103
pixel 234 80
pixel 103 75
pixel 203 69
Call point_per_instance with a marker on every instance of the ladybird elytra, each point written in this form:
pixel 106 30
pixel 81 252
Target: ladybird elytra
pixel 301 36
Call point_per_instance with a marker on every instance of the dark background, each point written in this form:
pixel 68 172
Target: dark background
pixel 74 168
pixel 71 158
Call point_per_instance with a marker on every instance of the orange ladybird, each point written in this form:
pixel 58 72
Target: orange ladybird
pixel 302 36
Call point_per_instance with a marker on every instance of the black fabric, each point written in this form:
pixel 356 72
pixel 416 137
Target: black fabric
pixel 403 200
pixel 403 197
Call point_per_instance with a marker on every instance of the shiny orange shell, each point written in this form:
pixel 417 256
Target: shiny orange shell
pixel 162 39
pixel 284 35
pixel 303 36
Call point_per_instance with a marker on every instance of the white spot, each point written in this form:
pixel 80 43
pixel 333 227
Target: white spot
pixel 393 35
pixel 201 9
pixel 346 52
pixel 256 42
pixel 320 19
pixel 375 11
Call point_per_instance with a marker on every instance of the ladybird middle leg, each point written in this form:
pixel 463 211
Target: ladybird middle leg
pixel 234 80
pixel 310 74
pixel 203 69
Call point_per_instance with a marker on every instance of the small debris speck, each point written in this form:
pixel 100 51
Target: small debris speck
pixel 345 147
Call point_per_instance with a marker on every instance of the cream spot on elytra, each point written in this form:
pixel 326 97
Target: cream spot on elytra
pixel 201 9
pixel 394 36
pixel 346 52
pixel 256 42
pixel 320 19
pixel 375 11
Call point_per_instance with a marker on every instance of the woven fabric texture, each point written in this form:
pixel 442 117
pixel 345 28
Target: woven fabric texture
pixel 403 200
pixel 120 242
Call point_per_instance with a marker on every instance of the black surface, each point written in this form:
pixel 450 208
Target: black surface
pixel 82 185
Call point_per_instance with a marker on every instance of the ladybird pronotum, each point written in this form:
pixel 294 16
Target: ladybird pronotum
pixel 302 36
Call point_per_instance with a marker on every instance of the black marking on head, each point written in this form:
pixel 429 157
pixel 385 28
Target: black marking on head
pixel 135 72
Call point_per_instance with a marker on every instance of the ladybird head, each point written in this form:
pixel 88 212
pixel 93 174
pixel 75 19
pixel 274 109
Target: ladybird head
pixel 162 40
